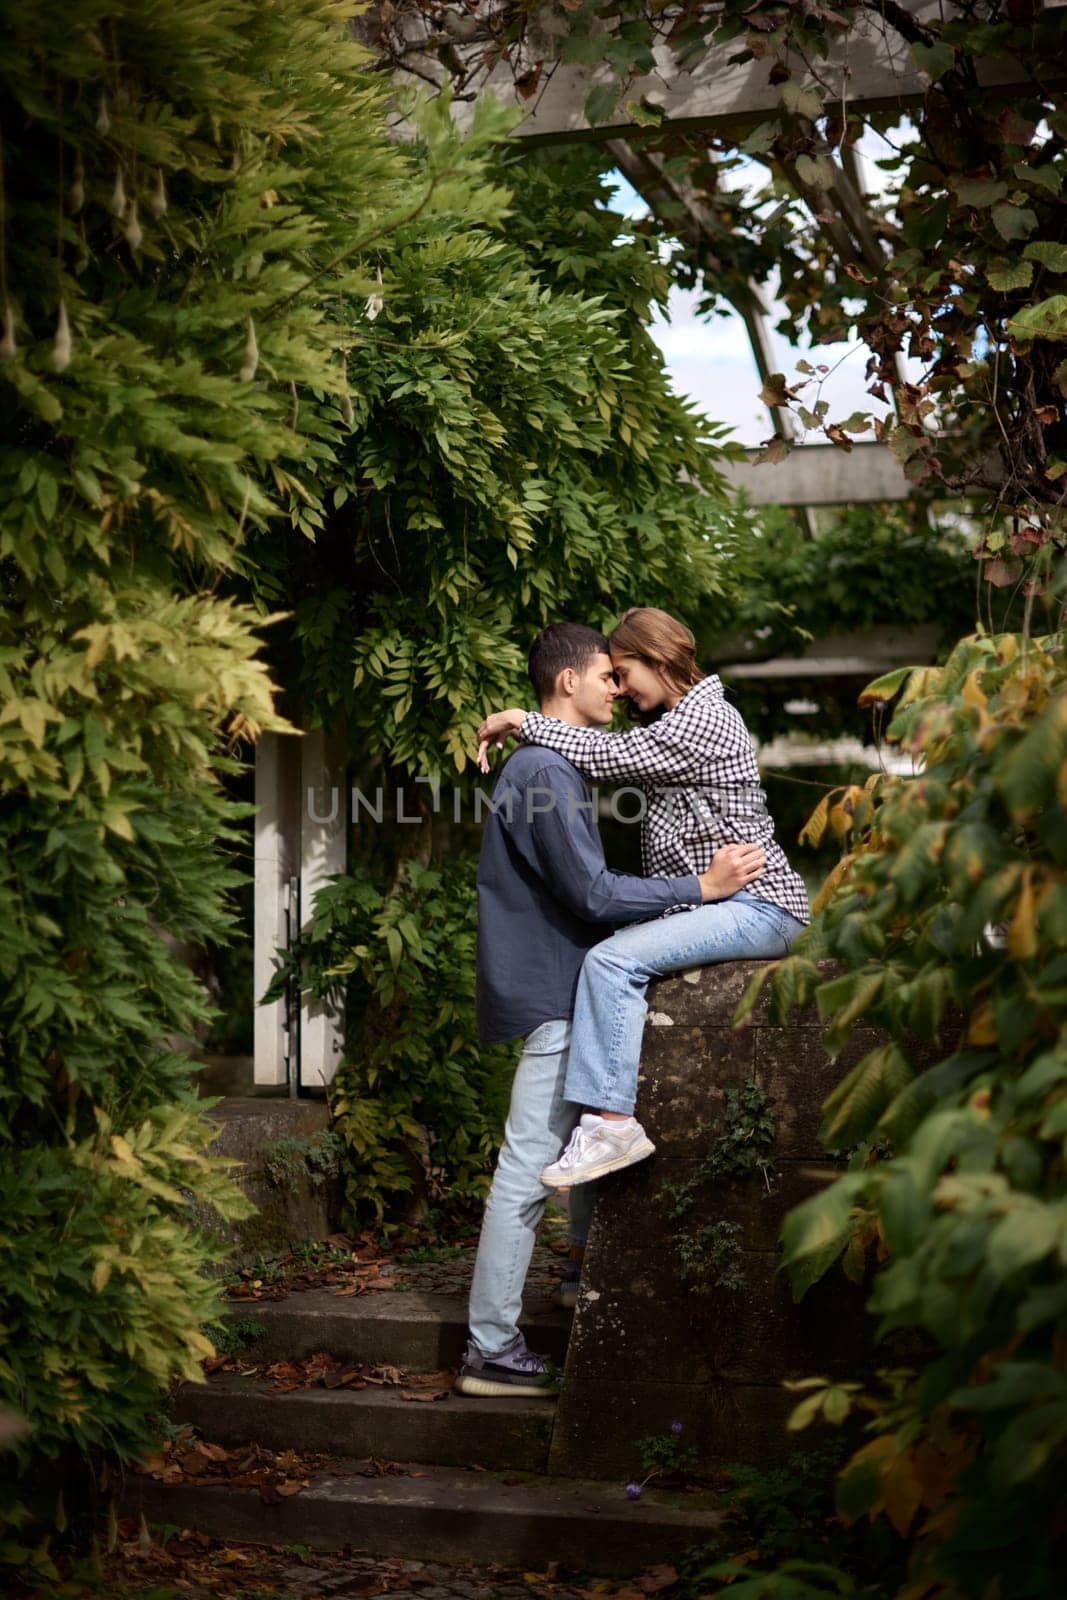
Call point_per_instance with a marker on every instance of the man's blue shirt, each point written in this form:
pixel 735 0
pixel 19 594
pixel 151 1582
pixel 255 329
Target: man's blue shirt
pixel 546 894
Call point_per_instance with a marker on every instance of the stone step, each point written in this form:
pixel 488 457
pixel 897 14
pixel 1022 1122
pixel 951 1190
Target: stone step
pixel 447 1515
pixel 460 1431
pixel 419 1332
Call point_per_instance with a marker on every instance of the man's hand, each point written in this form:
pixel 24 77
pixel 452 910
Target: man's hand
pixel 733 867
pixel 497 727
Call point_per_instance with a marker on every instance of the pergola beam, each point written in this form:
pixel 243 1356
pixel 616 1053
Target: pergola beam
pixel 871 69
pixel 823 475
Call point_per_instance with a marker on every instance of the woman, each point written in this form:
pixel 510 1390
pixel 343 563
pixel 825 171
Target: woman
pixel 693 763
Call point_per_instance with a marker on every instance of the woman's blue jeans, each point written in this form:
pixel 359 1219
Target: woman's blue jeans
pixel 610 1006
pixel 540 1121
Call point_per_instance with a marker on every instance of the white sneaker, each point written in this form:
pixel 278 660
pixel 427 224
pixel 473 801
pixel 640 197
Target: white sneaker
pixel 597 1147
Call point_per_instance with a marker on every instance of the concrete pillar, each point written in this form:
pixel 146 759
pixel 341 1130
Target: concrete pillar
pixel 323 840
pixel 277 865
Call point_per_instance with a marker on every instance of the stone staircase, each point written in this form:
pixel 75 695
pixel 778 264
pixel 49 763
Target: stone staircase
pixel 454 1479
pixel 652 1351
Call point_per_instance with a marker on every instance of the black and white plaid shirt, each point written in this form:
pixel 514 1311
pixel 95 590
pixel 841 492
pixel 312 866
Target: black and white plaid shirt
pixel 696 772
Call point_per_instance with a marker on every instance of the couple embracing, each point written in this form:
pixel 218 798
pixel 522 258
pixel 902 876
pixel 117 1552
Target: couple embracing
pixel 567 948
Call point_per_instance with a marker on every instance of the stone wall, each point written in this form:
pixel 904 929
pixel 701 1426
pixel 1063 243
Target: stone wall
pixel 646 1350
pixel 294 1201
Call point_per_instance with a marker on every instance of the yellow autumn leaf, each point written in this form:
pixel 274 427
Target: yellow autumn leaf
pixel 983 1030
pixel 197 1341
pixel 972 693
pixel 826 893
pixel 1022 930
pixel 813 830
pixel 117 822
pixel 901 1492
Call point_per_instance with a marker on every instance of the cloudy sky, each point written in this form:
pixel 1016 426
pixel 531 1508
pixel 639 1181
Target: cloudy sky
pixel 710 359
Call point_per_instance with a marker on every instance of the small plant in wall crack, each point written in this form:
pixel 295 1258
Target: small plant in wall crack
pixel 663 1456
pixel 709 1258
pixel 319 1158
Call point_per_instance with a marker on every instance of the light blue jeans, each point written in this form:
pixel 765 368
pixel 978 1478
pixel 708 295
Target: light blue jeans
pixel 610 1007
pixel 540 1121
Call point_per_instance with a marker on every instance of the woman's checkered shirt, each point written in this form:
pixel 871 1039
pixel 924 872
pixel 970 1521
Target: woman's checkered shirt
pixel 697 769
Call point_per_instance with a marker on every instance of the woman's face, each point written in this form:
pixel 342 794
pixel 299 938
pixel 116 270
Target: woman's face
pixel 641 683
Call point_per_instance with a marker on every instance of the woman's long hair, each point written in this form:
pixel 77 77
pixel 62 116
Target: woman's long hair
pixel 662 643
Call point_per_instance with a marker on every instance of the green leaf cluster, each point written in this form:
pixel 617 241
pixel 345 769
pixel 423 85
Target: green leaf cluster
pixel 516 455
pixel 957 262
pixel 418 1102
pixel 947 918
pixel 189 196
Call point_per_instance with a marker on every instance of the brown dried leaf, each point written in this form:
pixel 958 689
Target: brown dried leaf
pixel 653 1579
pixel 286 1370
pixel 385 1374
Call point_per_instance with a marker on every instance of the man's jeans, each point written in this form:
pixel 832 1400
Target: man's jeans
pixel 609 1009
pixel 540 1122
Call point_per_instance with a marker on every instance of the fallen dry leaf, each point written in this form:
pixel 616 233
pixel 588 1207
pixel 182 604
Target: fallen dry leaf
pixel 424 1394
pixel 231 1557
pixel 385 1374
pixel 653 1579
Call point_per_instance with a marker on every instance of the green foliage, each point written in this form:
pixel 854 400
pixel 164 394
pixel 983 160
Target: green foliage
pixel 867 565
pixel 948 918
pixel 780 1536
pixel 317 1159
pixel 741 1143
pixel 958 263
pixel 709 1257
pixel 419 1104
pixel 235 1335
pixel 664 1455
pixel 188 195
pixel 516 455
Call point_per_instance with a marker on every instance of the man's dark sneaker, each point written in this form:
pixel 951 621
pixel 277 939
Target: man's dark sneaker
pixel 516 1372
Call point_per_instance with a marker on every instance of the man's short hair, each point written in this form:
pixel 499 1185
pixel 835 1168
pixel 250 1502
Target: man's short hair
pixel 563 645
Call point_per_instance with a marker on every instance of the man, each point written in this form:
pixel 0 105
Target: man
pixel 545 896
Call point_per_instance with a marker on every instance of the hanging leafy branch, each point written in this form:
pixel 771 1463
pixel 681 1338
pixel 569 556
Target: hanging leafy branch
pixel 181 188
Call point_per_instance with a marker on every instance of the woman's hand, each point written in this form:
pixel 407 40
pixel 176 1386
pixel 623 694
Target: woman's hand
pixel 733 867
pixel 497 727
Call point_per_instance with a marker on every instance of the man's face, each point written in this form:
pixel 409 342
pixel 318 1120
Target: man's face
pixel 595 692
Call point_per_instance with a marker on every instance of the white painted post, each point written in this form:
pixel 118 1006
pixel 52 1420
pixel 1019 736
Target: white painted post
pixel 276 866
pixel 323 842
